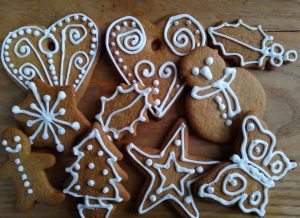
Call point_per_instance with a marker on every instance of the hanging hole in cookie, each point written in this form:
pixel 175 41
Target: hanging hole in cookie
pixel 51 45
pixel 156 44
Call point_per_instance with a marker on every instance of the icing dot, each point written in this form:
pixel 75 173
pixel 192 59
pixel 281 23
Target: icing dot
pixel 7 59
pixel 157 102
pixel 6 53
pixel 4 142
pixel 100 153
pixel 124 67
pixel 20 168
pixel 188 199
pixel 6 46
pixel 113 44
pixel 94 31
pixel 133 24
pixel 113 34
pixel 28 31
pixel 116 52
pixel 53 29
pixel 17 161
pixel 199 169
pixel 59 23
pixel 176 22
pixel 91 166
pixel 224 115
pixel 50 55
pixel 23 177
pixel 76 81
pixel 77 167
pixel 228 122
pixel 209 61
pixel 250 127
pixel 120 60
pixel 77 187
pixel 218 99
pixel 14 35
pixel 94 39
pixel 91 183
pixel 155 91
pixel 210 190
pixel 36 33
pixel 177 142
pixel 93 46
pixel 105 172
pixel 195 71
pixel 60 148
pixel 21 32
pixel 197 32
pixel 89 147
pixel 257 149
pixel 67 20
pixel 152 198
pixel 129 74
pixel 105 190
pixel 109 138
pixel 92 52
pixel 188 22
pixel 53 72
pixel 8 41
pixel 11 65
pixel 222 107
pixel 155 82
pixel 233 182
pixel 84 19
pixel 90 24
pixel 149 162
pixel 30 191
pixel 76 17
pixel 118 28
pixel 50 61
pixel 26 183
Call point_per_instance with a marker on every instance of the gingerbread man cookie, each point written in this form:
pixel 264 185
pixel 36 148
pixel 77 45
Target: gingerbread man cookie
pixel 170 172
pixel 220 94
pixel 63 54
pixel 27 170
pixel 122 112
pixel 96 175
pixel 249 46
pixel 147 53
pixel 251 173
pixel 50 116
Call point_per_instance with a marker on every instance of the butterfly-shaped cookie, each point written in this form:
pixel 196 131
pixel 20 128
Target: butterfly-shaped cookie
pixel 147 53
pixel 63 54
pixel 247 179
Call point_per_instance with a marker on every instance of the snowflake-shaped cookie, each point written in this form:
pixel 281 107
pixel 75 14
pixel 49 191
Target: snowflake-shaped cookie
pixel 50 117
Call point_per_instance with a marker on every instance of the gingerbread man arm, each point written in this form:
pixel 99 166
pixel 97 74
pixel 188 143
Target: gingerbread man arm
pixel 42 160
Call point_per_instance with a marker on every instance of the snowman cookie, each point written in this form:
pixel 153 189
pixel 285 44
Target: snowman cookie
pixel 27 170
pixel 149 53
pixel 219 95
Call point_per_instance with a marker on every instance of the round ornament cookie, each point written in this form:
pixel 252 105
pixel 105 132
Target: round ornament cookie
pixel 219 95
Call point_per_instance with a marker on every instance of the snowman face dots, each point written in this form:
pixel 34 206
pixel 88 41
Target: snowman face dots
pixel 205 70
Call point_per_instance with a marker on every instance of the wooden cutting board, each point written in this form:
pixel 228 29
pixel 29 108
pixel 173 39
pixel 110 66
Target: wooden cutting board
pixel 280 18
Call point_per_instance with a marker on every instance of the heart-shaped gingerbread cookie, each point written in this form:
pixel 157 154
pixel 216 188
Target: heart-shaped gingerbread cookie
pixel 147 53
pixel 63 54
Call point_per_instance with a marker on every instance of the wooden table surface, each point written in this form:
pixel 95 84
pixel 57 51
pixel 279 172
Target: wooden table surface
pixel 279 18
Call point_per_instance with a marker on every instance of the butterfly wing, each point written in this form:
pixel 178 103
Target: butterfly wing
pixel 230 185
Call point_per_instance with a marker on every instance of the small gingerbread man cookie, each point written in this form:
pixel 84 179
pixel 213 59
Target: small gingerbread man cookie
pixel 50 116
pixel 27 170
pixel 219 95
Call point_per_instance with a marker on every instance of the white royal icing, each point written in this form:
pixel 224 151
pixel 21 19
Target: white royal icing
pixel 47 116
pixel 249 166
pixel 222 85
pixel 274 51
pixel 99 206
pixel 111 160
pixel 18 162
pixel 142 94
pixel 184 35
pixel 54 74
pixel 184 188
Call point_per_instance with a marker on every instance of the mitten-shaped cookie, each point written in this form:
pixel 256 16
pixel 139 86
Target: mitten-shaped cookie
pixel 49 115
pixel 219 95
pixel 63 54
pixel 149 53
pixel 251 173
pixel 27 170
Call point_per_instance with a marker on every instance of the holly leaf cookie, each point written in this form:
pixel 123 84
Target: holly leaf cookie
pixel 122 112
pixel 251 173
pixel 96 175
pixel 170 172
pixel 50 117
pixel 63 54
pixel 220 95
pixel 147 53
pixel 249 46
pixel 27 170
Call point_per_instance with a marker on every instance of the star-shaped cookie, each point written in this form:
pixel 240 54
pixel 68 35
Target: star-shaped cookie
pixel 50 117
pixel 170 172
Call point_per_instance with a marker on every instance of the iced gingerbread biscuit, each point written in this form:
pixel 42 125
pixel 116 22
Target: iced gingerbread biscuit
pixel 49 115
pixel 63 54
pixel 249 46
pixel 96 175
pixel 219 96
pixel 149 53
pixel 170 172
pixel 247 178
pixel 125 109
pixel 27 170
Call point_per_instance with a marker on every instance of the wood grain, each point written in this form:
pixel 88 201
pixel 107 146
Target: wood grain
pixel 281 18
